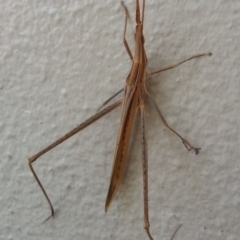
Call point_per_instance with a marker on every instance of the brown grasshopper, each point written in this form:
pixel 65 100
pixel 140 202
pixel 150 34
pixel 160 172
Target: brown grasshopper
pixel 134 94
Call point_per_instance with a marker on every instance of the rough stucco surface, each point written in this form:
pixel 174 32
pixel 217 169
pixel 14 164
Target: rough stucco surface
pixel 59 61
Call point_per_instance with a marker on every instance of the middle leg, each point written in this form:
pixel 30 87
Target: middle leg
pixel 184 141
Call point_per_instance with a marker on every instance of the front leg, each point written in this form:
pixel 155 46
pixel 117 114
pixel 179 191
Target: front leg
pixel 177 64
pixel 125 29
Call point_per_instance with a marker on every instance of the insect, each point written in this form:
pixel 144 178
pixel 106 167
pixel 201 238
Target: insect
pixel 133 100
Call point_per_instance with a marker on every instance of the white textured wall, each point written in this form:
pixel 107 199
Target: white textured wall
pixel 59 61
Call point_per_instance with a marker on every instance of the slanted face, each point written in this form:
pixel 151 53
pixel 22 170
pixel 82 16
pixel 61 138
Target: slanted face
pixel 139 38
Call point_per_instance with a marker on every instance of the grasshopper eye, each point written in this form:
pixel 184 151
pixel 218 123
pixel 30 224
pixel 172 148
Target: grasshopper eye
pixel 143 39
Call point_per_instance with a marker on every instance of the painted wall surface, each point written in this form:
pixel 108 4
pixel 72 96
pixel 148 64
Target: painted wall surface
pixel 59 60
